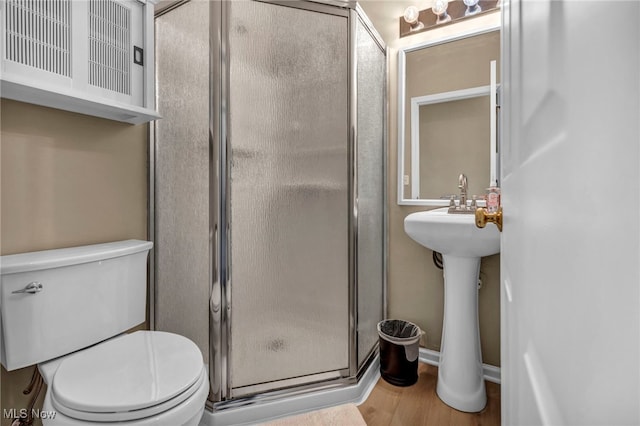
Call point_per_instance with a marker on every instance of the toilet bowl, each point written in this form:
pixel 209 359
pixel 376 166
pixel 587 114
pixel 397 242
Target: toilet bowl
pixel 145 378
pixel 66 310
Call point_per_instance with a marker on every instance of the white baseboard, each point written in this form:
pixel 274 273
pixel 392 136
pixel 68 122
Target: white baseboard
pixel 491 372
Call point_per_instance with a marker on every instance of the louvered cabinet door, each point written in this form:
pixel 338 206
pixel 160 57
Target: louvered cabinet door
pixel 36 40
pixel 114 40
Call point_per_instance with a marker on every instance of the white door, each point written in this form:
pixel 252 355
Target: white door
pixel 570 246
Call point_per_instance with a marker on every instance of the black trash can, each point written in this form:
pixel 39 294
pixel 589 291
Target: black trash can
pixel 399 347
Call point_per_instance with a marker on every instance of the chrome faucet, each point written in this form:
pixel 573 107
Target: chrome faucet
pixel 462 206
pixel 462 185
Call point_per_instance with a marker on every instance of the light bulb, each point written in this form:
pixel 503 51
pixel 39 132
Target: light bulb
pixel 411 15
pixel 440 10
pixel 472 7
pixel 440 7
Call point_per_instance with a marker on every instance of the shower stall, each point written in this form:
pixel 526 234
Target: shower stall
pixel 268 192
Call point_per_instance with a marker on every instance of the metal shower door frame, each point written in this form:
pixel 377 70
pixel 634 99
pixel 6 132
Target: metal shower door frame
pixel 358 14
pixel 221 395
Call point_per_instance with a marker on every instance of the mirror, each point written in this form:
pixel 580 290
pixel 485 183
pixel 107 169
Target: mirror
pixel 445 117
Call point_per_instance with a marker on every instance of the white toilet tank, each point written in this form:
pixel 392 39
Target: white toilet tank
pixel 79 296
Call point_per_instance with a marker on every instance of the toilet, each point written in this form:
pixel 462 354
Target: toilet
pixel 67 311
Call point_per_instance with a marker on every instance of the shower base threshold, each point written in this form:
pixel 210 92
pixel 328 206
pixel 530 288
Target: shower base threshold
pixel 296 403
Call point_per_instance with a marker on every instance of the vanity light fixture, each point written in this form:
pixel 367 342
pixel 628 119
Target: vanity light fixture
pixel 472 7
pixel 411 15
pixel 440 10
pixel 443 12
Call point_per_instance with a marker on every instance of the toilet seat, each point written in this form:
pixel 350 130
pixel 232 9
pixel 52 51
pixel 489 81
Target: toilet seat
pixel 127 378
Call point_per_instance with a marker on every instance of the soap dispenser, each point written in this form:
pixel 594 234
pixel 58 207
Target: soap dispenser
pixel 493 197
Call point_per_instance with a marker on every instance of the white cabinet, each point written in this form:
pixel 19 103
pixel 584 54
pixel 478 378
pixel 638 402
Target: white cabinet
pixel 93 57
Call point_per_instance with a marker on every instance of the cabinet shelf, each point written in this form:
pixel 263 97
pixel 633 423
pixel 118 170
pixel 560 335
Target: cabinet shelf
pixel 92 57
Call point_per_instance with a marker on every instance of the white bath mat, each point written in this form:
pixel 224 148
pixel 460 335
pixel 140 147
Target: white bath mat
pixel 341 415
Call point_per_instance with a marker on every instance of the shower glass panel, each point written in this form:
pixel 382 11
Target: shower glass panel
pixel 371 76
pixel 181 159
pixel 289 194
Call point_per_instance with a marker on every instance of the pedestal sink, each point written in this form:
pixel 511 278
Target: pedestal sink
pixel 462 244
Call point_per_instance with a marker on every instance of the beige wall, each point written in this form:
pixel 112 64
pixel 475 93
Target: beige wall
pixel 66 179
pixel 415 289
pixel 454 138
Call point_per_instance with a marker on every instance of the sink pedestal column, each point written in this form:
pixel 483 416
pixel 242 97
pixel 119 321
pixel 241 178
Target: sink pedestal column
pixel 460 377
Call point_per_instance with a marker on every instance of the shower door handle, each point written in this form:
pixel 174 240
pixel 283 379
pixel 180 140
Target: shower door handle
pixel 31 288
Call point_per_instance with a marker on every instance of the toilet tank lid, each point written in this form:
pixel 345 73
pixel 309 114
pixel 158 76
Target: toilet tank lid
pixel 47 259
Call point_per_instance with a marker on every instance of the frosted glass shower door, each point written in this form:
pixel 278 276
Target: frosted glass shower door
pixel 371 75
pixel 289 194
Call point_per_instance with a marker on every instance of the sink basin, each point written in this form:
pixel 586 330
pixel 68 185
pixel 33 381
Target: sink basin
pixel 454 234
pixel 462 244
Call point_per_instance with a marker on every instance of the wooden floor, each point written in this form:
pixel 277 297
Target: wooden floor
pixel 419 405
